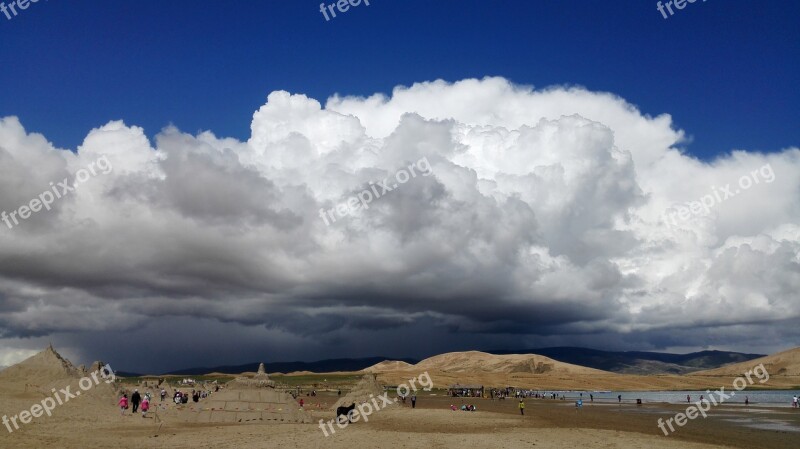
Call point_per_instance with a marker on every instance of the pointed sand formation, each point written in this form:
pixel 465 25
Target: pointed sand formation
pixel 366 388
pixel 36 378
pixel 46 370
pixel 259 380
pixel 43 368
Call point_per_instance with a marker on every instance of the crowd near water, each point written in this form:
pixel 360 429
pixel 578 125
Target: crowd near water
pixel 765 398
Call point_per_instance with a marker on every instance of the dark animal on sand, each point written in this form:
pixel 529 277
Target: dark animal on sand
pixel 346 412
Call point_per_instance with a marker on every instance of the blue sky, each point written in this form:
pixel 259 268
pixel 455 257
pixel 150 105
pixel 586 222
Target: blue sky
pixel 726 71
pixel 541 221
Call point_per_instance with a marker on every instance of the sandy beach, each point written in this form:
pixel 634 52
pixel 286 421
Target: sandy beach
pixel 87 422
pixel 259 412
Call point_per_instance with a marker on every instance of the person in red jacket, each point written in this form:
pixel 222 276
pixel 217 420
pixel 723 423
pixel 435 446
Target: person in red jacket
pixel 123 402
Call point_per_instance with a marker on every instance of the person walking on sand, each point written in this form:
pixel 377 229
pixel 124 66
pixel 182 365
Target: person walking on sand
pixel 145 406
pixel 521 408
pixel 136 398
pixel 619 398
pixel 414 400
pixel 746 400
pixel 123 403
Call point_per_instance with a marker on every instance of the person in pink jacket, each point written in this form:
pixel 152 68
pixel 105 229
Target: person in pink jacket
pixel 145 406
pixel 123 402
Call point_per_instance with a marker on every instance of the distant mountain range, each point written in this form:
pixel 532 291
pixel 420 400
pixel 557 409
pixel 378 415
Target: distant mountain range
pixel 639 362
pixel 627 362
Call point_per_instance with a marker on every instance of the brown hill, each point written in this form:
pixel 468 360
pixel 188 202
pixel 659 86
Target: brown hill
pixel 388 365
pixel 540 372
pixel 476 362
pixel 786 363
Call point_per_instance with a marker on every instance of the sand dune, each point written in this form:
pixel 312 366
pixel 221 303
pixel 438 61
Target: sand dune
pixel 786 363
pixel 476 361
pixel 539 372
pixel 388 365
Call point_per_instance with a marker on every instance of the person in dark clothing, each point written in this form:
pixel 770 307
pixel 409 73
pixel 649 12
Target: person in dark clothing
pixel 136 398
pixel 413 401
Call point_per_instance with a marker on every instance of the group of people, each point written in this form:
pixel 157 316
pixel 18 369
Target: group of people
pixel 499 393
pixel 464 408
pixel 466 392
pixel 136 402
pixel 401 399
pixel 503 393
pixel 183 397
pixel 550 396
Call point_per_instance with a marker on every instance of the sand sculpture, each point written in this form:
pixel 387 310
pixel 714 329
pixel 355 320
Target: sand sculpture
pixel 248 399
pixel 368 385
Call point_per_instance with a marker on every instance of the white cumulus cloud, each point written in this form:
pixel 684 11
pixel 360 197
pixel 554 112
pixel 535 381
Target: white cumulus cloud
pixel 545 213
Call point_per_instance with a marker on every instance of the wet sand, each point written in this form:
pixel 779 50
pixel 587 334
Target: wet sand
pixel 716 428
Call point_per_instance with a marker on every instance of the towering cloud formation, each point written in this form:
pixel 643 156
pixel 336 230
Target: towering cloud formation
pixel 544 215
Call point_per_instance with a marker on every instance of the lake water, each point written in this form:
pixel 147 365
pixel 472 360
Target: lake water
pixel 762 398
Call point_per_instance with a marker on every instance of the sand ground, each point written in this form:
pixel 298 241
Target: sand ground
pixel 497 424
